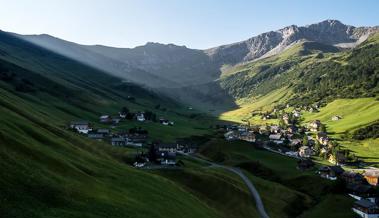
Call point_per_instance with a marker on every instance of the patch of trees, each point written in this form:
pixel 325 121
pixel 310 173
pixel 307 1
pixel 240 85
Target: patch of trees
pixel 371 131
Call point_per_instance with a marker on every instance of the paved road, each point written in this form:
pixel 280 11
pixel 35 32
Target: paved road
pixel 249 184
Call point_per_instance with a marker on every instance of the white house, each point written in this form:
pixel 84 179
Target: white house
pixel 141 117
pixel 81 126
pixel 366 209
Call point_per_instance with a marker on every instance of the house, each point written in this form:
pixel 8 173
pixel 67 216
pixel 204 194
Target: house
pixel 314 126
pixel 330 172
pixel 352 178
pixel 372 177
pixel 247 136
pixel 141 117
pixel 81 126
pixel 323 138
pixel 119 141
pixel 286 119
pixel 116 120
pixel 361 191
pixel 171 148
pixel 295 142
pixel 122 115
pixel 263 130
pixel 231 135
pixel 276 138
pixel 274 129
pixel 136 140
pixel 103 131
pixel 336 117
pixel 338 159
pixel 366 209
pixel 167 158
pixel 105 119
pixel 305 164
pixel 296 113
pixel 292 129
pixel 305 151
pixel 96 136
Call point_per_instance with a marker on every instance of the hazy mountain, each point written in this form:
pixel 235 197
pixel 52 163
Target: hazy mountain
pixel 330 32
pixel 192 75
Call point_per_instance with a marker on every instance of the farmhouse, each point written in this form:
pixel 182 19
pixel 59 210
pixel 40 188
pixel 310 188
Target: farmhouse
pixel 231 135
pixel 141 117
pixel 105 119
pixel 247 136
pixel 336 117
pixel 171 148
pixel 314 125
pixel 366 209
pixel 81 126
pixel 296 113
pixel 119 141
pixel 136 140
pixel 372 177
pixel 96 136
pixel 330 172
pixel 360 191
pixel 323 138
pixel 352 178
pixel 305 151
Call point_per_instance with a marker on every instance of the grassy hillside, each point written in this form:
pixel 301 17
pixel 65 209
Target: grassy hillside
pixel 314 72
pixel 48 171
pixel 355 114
pixel 286 191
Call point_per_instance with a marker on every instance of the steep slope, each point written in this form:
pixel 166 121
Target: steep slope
pixel 192 75
pixel 312 71
pixel 49 171
pixel 330 32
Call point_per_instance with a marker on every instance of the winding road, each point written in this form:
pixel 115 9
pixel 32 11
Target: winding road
pixel 249 184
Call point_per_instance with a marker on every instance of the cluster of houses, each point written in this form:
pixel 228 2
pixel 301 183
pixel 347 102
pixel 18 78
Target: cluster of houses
pixel 241 132
pixel 360 186
pixel 134 138
pixel 165 154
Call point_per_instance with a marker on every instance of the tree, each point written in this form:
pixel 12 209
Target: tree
pixel 317 147
pixel 323 128
pixel 124 110
pixel 305 140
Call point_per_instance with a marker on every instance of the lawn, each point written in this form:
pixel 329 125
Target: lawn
pixel 356 113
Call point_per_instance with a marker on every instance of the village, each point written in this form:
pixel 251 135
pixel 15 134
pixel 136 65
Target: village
pixel 150 152
pixel 310 142
pixel 289 138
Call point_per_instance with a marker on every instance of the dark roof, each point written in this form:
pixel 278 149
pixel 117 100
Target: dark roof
pixel 365 203
pixel 360 189
pixel 337 169
pixel 118 139
pixel 167 146
pixel 79 122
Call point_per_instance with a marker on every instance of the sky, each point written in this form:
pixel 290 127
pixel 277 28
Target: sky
pixel 194 23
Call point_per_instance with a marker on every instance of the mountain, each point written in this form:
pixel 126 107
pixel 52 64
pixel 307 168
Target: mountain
pixel 329 32
pixel 193 76
pixel 48 170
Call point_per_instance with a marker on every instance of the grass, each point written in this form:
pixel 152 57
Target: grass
pixel 262 103
pixel 48 171
pixel 356 113
pixel 286 191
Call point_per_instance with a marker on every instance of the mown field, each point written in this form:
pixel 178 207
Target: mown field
pixel 355 113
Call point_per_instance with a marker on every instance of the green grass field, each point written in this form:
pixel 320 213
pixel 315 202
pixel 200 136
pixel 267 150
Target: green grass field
pixel 356 113
pixel 286 191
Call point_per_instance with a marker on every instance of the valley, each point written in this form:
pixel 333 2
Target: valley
pixel 168 131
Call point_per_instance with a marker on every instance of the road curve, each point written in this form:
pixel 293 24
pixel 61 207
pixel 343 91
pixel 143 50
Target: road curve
pixel 249 184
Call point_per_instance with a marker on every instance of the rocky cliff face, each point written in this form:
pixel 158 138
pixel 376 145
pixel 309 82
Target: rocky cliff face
pixel 330 32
